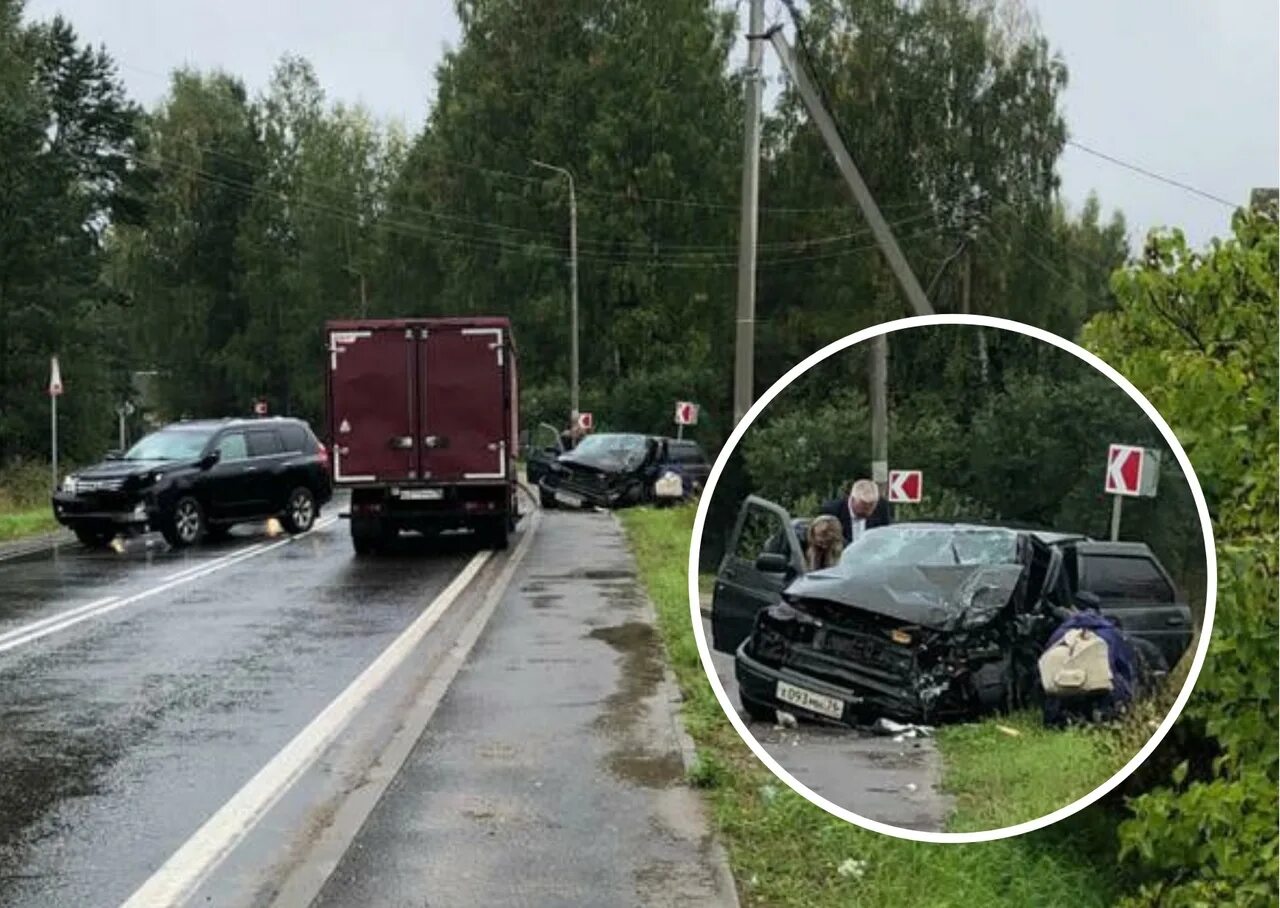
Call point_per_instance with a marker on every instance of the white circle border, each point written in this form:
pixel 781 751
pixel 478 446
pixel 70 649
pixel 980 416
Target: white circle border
pixel 731 711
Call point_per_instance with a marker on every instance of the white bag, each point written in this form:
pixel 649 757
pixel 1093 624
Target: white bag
pixel 1079 663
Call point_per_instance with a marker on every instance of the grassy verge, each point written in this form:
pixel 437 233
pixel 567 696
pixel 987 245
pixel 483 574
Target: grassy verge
pixel 1000 779
pixel 786 852
pixel 24 501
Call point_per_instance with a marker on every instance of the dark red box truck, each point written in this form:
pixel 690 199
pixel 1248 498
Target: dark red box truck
pixel 423 422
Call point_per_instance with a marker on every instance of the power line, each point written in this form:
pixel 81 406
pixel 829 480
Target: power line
pixel 531 250
pixel 1152 174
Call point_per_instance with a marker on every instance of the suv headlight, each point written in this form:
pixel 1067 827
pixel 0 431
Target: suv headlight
pixel 69 484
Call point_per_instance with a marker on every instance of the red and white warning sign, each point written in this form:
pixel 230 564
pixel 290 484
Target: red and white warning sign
pixel 686 413
pixel 586 422
pixel 1132 471
pixel 55 378
pixel 906 486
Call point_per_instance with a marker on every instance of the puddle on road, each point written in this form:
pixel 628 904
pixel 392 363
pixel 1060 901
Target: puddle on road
pixel 625 709
pixel 587 574
pixel 544 602
pixel 647 769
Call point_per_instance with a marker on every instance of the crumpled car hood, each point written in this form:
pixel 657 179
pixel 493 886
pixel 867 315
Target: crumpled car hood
pixel 934 596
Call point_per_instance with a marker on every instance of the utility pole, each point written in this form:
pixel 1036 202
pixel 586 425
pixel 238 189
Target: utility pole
pixel 744 340
pixel 879 382
pixel 861 194
pixel 573 285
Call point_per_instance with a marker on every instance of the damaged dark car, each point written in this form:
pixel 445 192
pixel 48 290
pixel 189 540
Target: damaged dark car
pixel 923 622
pixel 613 470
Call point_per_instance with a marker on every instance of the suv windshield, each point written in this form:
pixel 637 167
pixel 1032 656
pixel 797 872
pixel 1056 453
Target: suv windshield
pixel 170 444
pixel 907 545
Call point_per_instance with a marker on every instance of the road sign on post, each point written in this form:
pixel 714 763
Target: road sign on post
pixel 906 486
pixel 260 407
pixel 1132 472
pixel 55 391
pixel 586 422
pixel 686 415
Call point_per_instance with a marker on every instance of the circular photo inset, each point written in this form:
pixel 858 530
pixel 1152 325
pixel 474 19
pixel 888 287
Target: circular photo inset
pixel 952 578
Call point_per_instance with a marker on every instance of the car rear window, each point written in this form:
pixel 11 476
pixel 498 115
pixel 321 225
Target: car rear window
pixel 686 453
pixel 1125 577
pixel 264 443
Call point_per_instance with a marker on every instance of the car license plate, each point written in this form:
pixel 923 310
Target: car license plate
pixel 807 699
pixel 422 494
pixel 572 501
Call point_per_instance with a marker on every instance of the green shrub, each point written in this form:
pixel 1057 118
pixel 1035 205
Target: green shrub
pixel 1197 333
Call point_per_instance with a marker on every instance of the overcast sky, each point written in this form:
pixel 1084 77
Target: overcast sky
pixel 1185 88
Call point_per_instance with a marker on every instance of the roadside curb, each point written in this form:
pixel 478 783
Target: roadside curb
pixel 28 545
pixel 688 750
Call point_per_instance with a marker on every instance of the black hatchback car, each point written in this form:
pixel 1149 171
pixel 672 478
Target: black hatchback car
pixel 924 621
pixel 199 478
pixel 612 470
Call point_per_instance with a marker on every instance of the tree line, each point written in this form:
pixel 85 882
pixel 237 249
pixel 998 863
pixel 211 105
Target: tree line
pixel 206 239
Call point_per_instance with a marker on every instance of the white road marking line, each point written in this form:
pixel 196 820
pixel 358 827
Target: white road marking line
pixel 191 864
pixel 205 564
pixel 54 619
pixel 53 624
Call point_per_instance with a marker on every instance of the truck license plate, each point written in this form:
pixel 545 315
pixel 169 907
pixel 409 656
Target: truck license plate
pixel 422 494
pixel 572 501
pixel 807 699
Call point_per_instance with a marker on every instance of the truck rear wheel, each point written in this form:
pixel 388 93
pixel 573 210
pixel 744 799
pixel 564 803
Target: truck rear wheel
pixel 370 536
pixel 493 534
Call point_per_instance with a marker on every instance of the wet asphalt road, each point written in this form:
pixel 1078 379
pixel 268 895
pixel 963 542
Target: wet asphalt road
pixel 894 782
pixel 122 733
pixel 552 772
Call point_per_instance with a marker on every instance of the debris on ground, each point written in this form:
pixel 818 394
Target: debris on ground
pixel 768 793
pixel 911 786
pixel 785 719
pixel 852 868
pixel 901 730
pixel 1011 732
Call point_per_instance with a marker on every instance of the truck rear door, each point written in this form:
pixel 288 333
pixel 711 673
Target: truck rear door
pixel 463 416
pixel 372 404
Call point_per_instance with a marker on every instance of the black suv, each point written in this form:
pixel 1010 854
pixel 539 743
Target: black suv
pixel 198 478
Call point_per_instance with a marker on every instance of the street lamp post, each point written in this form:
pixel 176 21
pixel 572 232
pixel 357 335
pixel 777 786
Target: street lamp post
pixel 573 283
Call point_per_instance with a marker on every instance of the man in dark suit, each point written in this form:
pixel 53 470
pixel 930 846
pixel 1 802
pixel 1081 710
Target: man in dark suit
pixel 863 510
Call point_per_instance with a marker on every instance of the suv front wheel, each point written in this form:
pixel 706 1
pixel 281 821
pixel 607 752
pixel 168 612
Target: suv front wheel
pixel 299 511
pixel 185 524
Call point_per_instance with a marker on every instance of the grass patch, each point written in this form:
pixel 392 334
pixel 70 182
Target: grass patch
pixel 786 852
pixel 24 501
pixel 26 523
pixel 998 779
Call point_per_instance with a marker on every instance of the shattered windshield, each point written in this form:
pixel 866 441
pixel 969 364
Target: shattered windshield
pixel 920 546
pixel 625 448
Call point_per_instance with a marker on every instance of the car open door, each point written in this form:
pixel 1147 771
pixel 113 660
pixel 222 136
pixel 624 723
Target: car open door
pixel 748 582
pixel 544 448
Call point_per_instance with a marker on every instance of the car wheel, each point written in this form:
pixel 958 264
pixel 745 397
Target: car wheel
pixel 299 510
pixel 93 539
pixel 758 711
pixel 185 524
pixel 546 499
